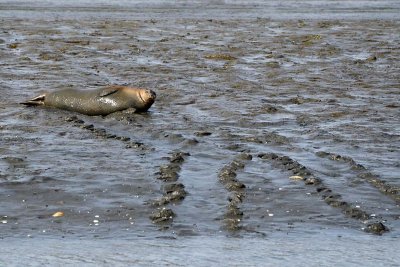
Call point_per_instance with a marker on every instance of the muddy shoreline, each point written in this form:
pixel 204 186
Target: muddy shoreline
pixel 265 126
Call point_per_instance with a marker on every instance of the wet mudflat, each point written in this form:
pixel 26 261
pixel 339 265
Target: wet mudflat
pixel 264 127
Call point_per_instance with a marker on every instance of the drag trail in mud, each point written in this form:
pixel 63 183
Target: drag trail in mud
pixel 261 126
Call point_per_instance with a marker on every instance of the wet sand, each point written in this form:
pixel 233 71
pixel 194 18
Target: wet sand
pixel 272 120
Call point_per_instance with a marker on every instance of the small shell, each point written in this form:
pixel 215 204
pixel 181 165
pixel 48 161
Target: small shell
pixel 58 214
pixel 296 177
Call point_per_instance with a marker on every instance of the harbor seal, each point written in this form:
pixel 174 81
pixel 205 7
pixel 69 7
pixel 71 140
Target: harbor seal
pixel 102 101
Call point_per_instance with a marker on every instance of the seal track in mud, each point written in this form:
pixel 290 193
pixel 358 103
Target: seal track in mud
pixel 392 191
pixel 227 177
pixel 174 191
pixel 102 133
pixel 332 199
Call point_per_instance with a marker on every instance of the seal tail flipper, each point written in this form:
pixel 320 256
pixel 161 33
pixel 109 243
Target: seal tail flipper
pixel 36 101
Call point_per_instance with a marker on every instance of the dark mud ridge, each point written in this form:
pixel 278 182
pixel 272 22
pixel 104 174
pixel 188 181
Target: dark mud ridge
pixel 385 188
pixel 228 177
pixel 330 197
pixel 103 134
pixel 174 192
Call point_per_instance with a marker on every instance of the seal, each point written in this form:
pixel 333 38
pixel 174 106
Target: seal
pixel 102 101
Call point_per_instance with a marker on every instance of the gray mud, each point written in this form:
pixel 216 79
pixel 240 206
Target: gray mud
pixel 273 121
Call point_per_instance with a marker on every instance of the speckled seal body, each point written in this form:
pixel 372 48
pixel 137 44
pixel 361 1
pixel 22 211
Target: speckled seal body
pixel 102 101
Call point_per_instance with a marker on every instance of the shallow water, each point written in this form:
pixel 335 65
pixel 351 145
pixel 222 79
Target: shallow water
pixel 248 96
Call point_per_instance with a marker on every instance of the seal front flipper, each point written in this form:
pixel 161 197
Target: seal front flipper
pixel 110 90
pixel 36 101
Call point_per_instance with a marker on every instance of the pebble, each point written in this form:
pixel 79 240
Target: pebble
pixel 58 214
pixel 296 177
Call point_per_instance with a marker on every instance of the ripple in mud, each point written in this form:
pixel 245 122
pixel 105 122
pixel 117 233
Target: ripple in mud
pixel 268 138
